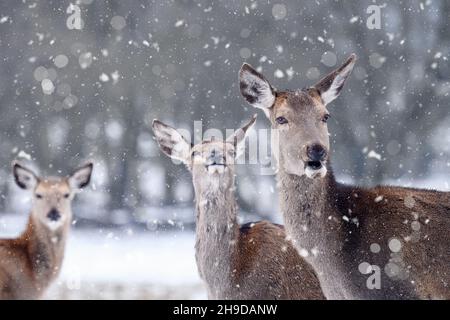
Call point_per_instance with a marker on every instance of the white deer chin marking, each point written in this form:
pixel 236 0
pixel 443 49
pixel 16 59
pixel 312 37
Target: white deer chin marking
pixel 315 173
pixel 216 169
pixel 54 225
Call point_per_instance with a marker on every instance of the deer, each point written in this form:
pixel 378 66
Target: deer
pixel 30 263
pixel 384 242
pixel 251 261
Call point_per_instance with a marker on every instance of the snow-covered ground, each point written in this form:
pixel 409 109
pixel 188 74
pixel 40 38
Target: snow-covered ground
pixel 112 264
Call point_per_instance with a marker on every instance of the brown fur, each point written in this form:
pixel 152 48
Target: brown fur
pixel 344 221
pixel 29 264
pixel 426 253
pixel 265 244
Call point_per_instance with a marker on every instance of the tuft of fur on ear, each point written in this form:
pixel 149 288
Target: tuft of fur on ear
pixel 171 142
pixel 331 85
pixel 25 178
pixel 255 88
pixel 81 177
pixel 238 137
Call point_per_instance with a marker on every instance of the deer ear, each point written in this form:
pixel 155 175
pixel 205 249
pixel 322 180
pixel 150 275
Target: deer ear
pixel 238 137
pixel 81 177
pixel 171 142
pixel 330 86
pixel 255 88
pixel 24 177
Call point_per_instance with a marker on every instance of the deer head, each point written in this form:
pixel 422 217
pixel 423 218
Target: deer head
pixel 300 117
pixel 211 162
pixel 52 196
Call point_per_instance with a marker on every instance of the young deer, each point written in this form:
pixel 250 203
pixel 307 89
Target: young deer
pixel 254 261
pixel 31 262
pixel 378 243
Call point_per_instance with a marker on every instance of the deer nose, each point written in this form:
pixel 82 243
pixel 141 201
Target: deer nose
pixel 54 215
pixel 216 157
pixel 316 152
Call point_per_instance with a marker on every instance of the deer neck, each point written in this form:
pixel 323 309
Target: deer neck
pixel 312 219
pixel 45 250
pixel 217 233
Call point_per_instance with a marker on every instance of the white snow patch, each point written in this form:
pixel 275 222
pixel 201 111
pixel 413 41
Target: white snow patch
pixel 179 23
pixel 22 154
pixel 215 40
pixel 290 73
pixel 104 77
pixel 373 154
pixel 303 252
pixel 47 86
pixel 279 74
pixel 115 76
pixel 354 19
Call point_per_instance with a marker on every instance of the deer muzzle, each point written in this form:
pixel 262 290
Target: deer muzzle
pixel 54 215
pixel 215 162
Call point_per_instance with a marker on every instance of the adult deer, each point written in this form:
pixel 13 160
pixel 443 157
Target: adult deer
pixel 30 263
pixel 378 243
pixel 254 261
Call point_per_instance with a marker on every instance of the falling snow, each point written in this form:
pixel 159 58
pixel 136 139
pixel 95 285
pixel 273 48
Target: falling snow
pixel 70 95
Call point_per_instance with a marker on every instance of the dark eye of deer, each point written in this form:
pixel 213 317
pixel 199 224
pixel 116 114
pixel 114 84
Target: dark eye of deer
pixel 281 120
pixel 325 118
pixel 66 195
pixel 195 153
pixel 38 196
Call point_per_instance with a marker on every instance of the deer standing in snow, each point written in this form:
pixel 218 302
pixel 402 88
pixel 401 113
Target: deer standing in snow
pixel 30 263
pixel 378 243
pixel 253 261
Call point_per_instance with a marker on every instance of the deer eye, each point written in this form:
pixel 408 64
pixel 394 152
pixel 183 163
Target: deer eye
pixel 38 196
pixel 281 120
pixel 66 195
pixel 232 153
pixel 195 153
pixel 325 118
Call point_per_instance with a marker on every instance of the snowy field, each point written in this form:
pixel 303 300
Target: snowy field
pixel 111 264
